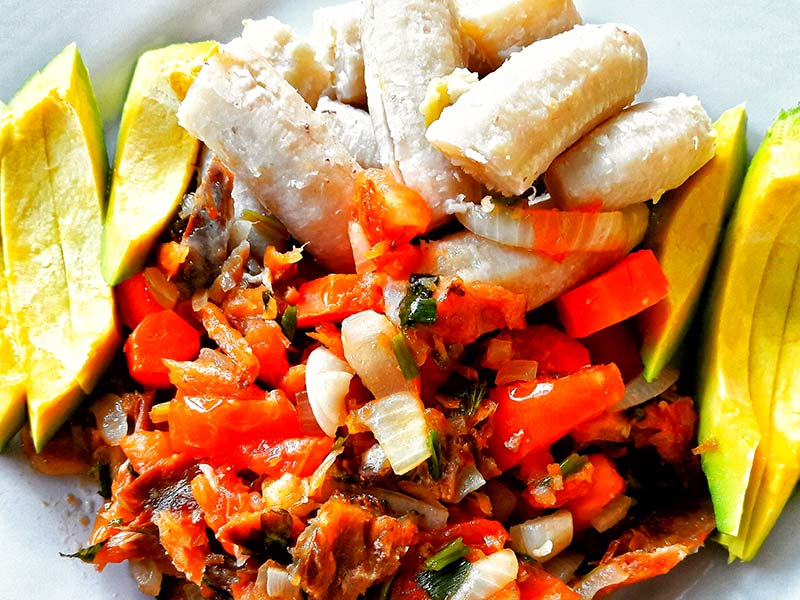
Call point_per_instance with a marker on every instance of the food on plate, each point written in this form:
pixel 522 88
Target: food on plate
pixel 495 30
pixel 336 36
pixel 508 128
pixel 684 232
pixel 352 126
pixel 748 383
pixel 155 158
pixel 647 149
pixel 406 44
pixel 262 129
pixel 324 395
pixel 53 191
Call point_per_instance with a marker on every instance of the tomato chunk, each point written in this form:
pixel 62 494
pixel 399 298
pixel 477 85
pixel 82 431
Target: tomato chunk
pixel 135 300
pixel 160 335
pixel 606 485
pixel 532 415
pixel 554 350
pixel 336 297
pixel 617 344
pixel 634 284
pixel 537 584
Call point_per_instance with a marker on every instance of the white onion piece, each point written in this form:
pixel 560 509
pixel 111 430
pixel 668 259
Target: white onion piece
pixel 488 576
pixel 112 421
pixel 612 514
pixel 639 390
pixel 374 463
pixel 499 351
pixel 366 338
pixel 564 565
pixel 469 480
pixel 279 584
pixel 164 291
pixel 516 370
pixel 543 537
pixel 398 423
pixel 504 501
pixel 146 575
pixel 598 579
pixel 577 231
pixel 327 383
pixel 432 514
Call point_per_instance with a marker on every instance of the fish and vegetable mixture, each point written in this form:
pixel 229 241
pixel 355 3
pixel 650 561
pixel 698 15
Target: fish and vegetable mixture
pixel 393 311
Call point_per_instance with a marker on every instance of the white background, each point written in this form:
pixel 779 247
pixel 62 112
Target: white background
pixel 725 51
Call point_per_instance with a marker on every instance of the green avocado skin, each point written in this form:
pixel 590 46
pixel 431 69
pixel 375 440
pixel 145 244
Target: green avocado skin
pixel 749 383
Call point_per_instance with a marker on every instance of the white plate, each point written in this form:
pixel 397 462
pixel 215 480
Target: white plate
pixel 725 51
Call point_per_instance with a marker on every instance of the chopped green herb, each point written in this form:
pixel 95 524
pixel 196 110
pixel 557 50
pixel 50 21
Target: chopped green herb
pixel 289 322
pixel 103 473
pixel 472 396
pixel 385 590
pixel 86 554
pixel 439 585
pixel 132 471
pixel 266 225
pixel 452 552
pixel 404 357
pixel 569 466
pixel 418 305
pixel 435 461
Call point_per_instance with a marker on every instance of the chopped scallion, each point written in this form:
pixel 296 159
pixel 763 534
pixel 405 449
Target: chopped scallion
pixel 289 322
pixel 435 461
pixel 569 466
pixel 439 585
pixel 472 396
pixel 452 552
pixel 87 554
pixel 418 305
pixel 404 357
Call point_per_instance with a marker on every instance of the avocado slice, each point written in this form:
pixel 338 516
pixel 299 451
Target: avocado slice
pixel 685 227
pixel 750 361
pixel 12 374
pixel 155 158
pixel 52 186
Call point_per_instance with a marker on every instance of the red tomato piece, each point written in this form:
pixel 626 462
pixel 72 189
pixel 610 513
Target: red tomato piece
pixel 532 415
pixel 145 449
pixel 336 297
pixel 633 285
pixel 135 300
pixel 485 535
pixel 269 345
pixel 217 425
pixel 537 584
pixel 617 344
pixel 160 335
pixel 299 456
pixel 554 350
pixel 606 484
pixel 388 210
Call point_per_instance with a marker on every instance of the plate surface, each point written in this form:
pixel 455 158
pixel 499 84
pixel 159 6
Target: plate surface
pixel 724 51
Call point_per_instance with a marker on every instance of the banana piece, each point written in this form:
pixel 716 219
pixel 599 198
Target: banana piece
pixel 243 109
pixel 353 128
pixel 494 30
pixel 641 153
pixel 512 124
pixel 336 36
pixel 406 44
pixel 290 55
pixel 540 279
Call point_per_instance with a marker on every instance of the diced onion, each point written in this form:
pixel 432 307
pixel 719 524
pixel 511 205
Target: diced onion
pixel 164 291
pixel 432 514
pixel 146 575
pixel 366 339
pixel 612 514
pixel 279 584
pixel 327 383
pixel 565 565
pixel 488 576
pixel 599 579
pixel 499 351
pixel 398 423
pixel 504 501
pixel 639 390
pixel 112 420
pixel 554 232
pixel 374 463
pixel 543 537
pixel 469 480
pixel 517 370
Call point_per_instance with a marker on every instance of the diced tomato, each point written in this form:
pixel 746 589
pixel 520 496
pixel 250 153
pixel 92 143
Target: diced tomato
pixel 145 449
pixel 335 297
pixel 617 344
pixel 606 485
pixel 185 541
pixel 669 428
pixel 553 489
pixel 532 415
pixel 608 427
pixel 388 210
pixel 555 351
pixel 222 494
pixel 299 456
pixel 171 257
pixel 330 336
pixel 214 425
pixel 628 288
pixel 485 535
pixel 160 335
pixel 135 300
pixel 294 381
pixel 537 584
pixel 268 343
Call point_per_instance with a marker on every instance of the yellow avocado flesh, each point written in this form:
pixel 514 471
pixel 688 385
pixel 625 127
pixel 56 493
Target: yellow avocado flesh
pixel 684 231
pixel 155 157
pixel 12 374
pixel 53 187
pixel 751 363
